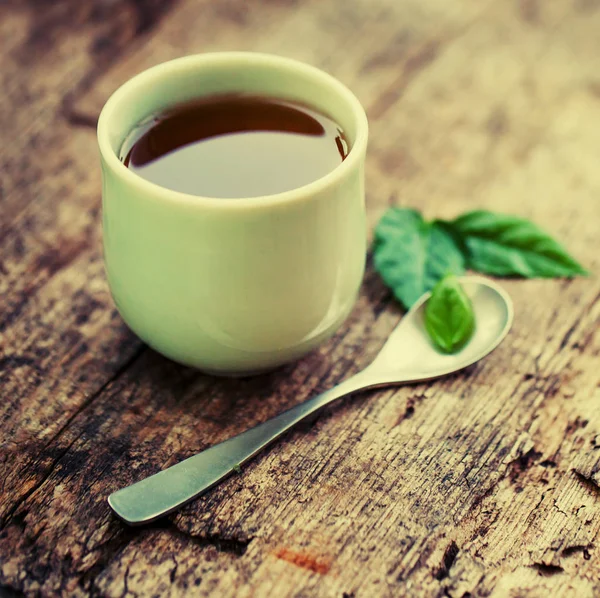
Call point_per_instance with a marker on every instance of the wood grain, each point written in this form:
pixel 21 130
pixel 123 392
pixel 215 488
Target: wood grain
pixel 486 483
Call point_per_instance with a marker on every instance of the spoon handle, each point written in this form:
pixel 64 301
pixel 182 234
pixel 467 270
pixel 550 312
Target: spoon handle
pixel 169 489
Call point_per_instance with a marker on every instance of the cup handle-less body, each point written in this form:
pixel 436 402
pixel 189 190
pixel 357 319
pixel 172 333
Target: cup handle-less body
pixel 233 286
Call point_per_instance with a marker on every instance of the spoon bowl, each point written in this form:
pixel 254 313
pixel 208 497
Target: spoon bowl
pixel 410 356
pixel 407 356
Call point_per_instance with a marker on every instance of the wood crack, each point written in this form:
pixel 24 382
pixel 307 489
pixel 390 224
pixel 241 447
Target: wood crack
pixel 448 560
pixel 588 482
pixel 585 550
pixel 546 570
pixel 227 544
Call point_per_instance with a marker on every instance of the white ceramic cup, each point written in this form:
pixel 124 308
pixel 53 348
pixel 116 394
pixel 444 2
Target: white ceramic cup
pixel 233 286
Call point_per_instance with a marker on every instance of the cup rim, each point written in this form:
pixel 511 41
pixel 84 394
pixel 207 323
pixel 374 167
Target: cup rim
pixel 220 59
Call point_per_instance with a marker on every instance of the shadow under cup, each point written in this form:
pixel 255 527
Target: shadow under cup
pixel 233 286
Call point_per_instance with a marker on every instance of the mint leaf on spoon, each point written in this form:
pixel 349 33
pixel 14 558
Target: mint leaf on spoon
pixel 449 315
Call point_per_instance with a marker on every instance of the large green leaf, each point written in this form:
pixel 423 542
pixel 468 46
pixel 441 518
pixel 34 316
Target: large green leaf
pixel 449 315
pixel 504 245
pixel 411 255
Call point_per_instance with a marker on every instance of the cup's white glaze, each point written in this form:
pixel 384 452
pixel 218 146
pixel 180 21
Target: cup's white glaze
pixel 233 286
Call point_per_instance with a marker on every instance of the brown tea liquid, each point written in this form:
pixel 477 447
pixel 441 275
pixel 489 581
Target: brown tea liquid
pixel 235 146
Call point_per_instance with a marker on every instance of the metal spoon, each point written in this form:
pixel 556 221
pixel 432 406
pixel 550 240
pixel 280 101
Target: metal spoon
pixel 407 356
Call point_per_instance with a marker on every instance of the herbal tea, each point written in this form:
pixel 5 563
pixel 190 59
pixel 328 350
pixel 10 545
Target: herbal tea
pixel 235 146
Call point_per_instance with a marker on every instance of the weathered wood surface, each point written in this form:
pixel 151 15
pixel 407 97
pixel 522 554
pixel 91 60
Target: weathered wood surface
pixel 486 483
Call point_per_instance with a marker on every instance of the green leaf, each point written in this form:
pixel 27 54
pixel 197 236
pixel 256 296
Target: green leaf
pixel 504 245
pixel 411 255
pixel 449 316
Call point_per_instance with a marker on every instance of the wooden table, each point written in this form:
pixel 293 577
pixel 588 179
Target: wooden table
pixel 486 483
